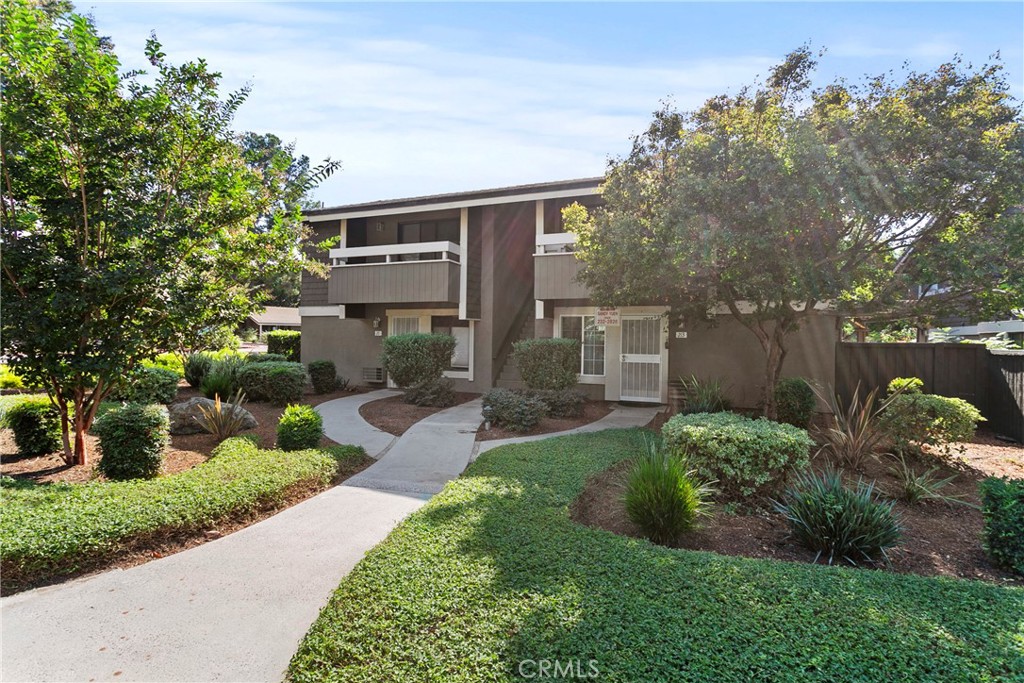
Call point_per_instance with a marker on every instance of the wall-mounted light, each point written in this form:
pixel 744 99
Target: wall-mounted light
pixel 380 226
pixel 376 323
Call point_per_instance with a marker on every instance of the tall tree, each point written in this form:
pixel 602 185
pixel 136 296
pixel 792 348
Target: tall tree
pixel 120 192
pixel 779 201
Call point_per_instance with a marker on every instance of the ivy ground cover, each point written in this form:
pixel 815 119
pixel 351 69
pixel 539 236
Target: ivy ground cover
pixel 491 579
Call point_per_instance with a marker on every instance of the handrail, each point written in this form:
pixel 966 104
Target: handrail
pixel 389 251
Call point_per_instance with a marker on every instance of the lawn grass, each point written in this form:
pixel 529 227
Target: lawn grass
pixel 492 572
pixel 52 530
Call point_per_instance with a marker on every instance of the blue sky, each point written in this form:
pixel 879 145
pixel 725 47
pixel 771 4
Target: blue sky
pixel 422 98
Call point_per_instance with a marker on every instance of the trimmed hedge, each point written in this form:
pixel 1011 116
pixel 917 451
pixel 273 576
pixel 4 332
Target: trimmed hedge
pixel 795 401
pixel 417 358
pixel 278 383
pixel 561 403
pixel 551 364
pixel 1002 505
pixel 287 343
pixel 744 457
pixel 36 425
pixel 53 530
pixel 323 375
pixel 492 571
pixel 266 358
pixel 299 427
pixel 147 385
pixel 133 438
pixel 513 410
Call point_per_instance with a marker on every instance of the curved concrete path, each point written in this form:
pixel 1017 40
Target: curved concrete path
pixel 620 417
pixel 344 424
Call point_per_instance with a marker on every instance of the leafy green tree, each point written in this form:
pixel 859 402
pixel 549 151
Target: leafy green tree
pixel 127 209
pixel 781 200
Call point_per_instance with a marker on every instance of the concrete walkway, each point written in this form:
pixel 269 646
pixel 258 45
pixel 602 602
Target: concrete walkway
pixel 344 424
pixel 431 453
pixel 621 416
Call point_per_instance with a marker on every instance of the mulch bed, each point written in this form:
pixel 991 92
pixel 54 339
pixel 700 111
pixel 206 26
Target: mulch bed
pixel 394 416
pixel 185 452
pixel 592 412
pixel 940 539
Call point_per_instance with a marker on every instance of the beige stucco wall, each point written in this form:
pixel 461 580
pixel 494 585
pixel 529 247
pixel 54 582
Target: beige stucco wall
pixel 350 343
pixel 732 353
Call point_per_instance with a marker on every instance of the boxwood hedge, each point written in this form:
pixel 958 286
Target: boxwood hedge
pixel 52 530
pixel 492 573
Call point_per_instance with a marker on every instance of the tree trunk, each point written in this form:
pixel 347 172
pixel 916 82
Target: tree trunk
pixel 81 453
pixel 775 356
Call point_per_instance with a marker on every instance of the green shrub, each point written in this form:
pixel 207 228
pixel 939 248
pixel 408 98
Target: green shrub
pixel 842 523
pixel 795 401
pixel 288 343
pixel 417 358
pixel 662 497
pixel 300 427
pixel 1002 506
pixel 275 382
pixel 195 368
pixel 913 420
pixel 223 377
pixel 247 334
pixel 36 426
pixel 437 394
pixel 223 338
pixel 167 361
pixel 746 457
pixel 323 376
pixel 133 438
pixel 416 362
pixel 548 364
pixel 9 380
pixel 266 358
pixel 147 385
pixel 703 395
pixel 905 385
pixel 513 410
pixel 224 419
pixel 561 403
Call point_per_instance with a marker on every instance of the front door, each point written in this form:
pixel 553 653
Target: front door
pixel 641 359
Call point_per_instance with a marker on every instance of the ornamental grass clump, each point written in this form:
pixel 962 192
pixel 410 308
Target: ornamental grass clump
pixel 703 395
pixel 195 368
pixel 837 522
pixel 857 432
pixel 300 427
pixel 745 457
pixel 663 497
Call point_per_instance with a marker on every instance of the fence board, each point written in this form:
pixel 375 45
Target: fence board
pixel 992 381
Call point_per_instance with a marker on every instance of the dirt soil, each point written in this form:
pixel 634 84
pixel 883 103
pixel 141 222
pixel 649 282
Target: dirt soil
pixel 592 412
pixel 940 539
pixel 395 416
pixel 185 451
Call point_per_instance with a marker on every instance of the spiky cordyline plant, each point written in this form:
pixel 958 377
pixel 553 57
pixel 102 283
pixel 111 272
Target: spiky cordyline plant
pixel 857 433
pixel 223 420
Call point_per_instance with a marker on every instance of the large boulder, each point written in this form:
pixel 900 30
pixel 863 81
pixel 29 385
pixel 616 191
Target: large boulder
pixel 185 413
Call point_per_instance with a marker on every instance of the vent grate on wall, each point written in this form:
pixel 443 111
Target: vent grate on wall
pixel 373 374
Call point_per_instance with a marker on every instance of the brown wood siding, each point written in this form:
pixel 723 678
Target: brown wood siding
pixel 313 289
pixel 386 283
pixel 555 277
pixel 473 258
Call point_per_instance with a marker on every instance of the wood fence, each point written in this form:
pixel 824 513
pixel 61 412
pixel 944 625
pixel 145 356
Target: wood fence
pixel 991 380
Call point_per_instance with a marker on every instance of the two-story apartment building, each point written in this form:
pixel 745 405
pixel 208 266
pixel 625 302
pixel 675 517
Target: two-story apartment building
pixel 494 266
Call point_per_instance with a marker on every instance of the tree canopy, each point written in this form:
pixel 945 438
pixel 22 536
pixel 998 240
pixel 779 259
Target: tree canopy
pixel 892 199
pixel 128 212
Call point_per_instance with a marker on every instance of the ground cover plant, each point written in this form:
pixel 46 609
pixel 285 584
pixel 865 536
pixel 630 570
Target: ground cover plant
pixel 1003 508
pixel 492 572
pixel 54 530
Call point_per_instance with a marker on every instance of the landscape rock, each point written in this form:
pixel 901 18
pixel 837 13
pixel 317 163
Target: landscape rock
pixel 184 413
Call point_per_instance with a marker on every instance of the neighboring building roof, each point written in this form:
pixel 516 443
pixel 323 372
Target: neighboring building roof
pixel 277 315
pixel 498 195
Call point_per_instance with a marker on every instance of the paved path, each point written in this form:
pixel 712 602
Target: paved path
pixel 431 453
pixel 344 424
pixel 621 416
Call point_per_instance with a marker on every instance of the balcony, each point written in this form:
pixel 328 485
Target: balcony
pixel 555 268
pixel 421 272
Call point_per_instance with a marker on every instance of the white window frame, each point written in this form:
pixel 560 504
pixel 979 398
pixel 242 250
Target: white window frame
pixel 424 315
pixel 578 312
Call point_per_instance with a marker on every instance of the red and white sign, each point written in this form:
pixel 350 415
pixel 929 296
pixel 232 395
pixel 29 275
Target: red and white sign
pixel 607 316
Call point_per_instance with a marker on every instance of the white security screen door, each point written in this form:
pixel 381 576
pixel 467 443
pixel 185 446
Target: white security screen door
pixel 641 359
